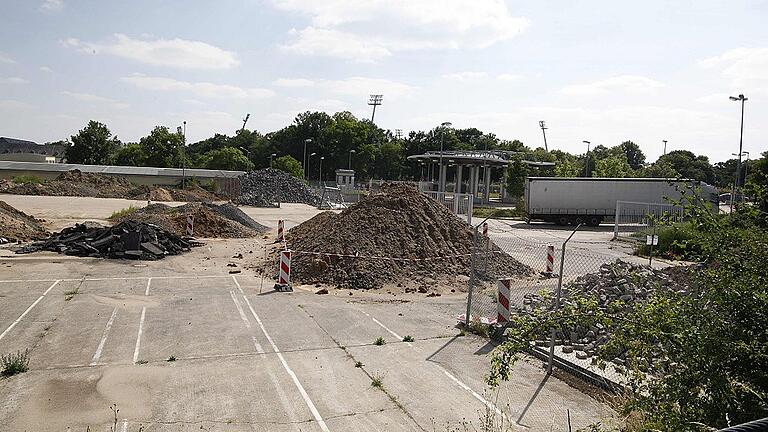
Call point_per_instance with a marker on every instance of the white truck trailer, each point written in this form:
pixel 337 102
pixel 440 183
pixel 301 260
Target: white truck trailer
pixel 590 200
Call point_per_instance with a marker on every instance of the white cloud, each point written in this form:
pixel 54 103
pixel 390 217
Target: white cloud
pixel 91 98
pixel 6 59
pixel 362 87
pixel 369 30
pixel 508 77
pixel 13 80
pixel 180 53
pixel 12 104
pixel 52 5
pixel 46 69
pixel 620 84
pixel 465 76
pixel 746 68
pixel 197 89
pixel 293 82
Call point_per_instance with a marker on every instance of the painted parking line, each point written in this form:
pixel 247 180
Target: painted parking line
pixel 10 327
pixel 141 325
pixel 304 395
pixel 104 336
pixel 240 310
pixel 400 338
pixel 149 282
pixel 116 278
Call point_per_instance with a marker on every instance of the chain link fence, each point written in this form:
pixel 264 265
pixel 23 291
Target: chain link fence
pixel 634 219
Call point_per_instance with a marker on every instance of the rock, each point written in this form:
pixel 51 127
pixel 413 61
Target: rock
pixel 581 355
pixel 322 291
pixel 567 349
pixel 268 187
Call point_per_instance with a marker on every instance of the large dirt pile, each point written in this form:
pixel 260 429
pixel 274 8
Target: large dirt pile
pixel 16 225
pixel 399 222
pixel 210 220
pixel 268 187
pixel 77 183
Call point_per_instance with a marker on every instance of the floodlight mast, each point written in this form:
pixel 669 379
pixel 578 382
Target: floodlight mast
pixel 374 100
pixel 543 131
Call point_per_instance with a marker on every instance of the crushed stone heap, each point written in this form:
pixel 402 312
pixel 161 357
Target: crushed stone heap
pixel 397 222
pixel 268 187
pixel 209 220
pixel 16 225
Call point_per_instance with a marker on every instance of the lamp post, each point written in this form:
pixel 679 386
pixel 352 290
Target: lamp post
pixel 305 161
pixel 321 170
pixel 440 182
pixel 309 159
pixel 586 162
pixel 665 146
pixel 741 141
pixel 543 127
pixel 270 159
pixel 351 152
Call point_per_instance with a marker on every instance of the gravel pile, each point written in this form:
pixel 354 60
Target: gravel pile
pixel 398 222
pixel 268 187
pixel 129 239
pixel 17 226
pixel 210 220
pixel 618 286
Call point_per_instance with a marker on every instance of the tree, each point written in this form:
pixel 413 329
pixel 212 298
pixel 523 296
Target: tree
pixel 568 168
pixel 725 173
pixel 660 169
pixel 517 172
pixel 635 157
pixel 289 165
pixel 757 183
pixel 131 154
pixel 163 148
pixel 613 167
pixel 690 166
pixel 227 158
pixel 93 145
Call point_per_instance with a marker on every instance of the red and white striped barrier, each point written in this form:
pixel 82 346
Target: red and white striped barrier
pixel 550 260
pixel 190 226
pixel 284 273
pixel 280 230
pixel 502 303
pixel 485 229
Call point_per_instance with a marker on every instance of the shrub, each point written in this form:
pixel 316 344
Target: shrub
pixel 676 241
pixel 15 363
pixel 27 179
pixel 379 341
pixel 122 213
pixel 408 338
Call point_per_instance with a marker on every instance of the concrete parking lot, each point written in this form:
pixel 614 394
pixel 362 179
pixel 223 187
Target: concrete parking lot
pixel 244 357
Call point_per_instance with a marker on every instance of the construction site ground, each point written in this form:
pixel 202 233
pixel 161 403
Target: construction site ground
pixel 101 332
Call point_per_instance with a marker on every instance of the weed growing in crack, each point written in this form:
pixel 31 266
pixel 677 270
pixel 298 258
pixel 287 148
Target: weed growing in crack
pixel 379 341
pixel 358 364
pixel 377 382
pixel 171 359
pixel 15 363
pixel 408 338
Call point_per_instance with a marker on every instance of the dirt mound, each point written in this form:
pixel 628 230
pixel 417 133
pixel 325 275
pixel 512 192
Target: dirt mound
pixel 269 186
pixel 16 225
pixel 77 183
pixel 210 220
pixel 425 239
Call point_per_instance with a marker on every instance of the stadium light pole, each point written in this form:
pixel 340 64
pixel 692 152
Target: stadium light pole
pixel 665 146
pixel 741 141
pixel 544 132
pixel 321 170
pixel 375 100
pixel 305 161
pixel 351 152
pixel 586 162
pixel 309 158
pixel 440 184
pixel 270 159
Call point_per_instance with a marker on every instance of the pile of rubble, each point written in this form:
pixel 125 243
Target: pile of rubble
pixel 268 187
pixel 618 287
pixel 396 236
pixel 16 226
pixel 209 220
pixel 129 239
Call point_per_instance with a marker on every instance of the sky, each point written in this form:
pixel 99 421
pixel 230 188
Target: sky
pixel 601 71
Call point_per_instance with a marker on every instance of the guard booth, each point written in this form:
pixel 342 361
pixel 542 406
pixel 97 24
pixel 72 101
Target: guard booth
pixel 345 178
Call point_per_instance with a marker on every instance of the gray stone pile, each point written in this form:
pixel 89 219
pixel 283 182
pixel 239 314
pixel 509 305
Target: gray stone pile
pixel 268 187
pixel 619 286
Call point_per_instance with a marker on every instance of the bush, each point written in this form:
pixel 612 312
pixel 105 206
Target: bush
pixel 15 363
pixel 497 213
pixel 679 241
pixel 122 213
pixel 27 179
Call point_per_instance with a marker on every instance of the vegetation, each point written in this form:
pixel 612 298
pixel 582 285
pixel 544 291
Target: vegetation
pixel 14 364
pixel 359 364
pixel 93 145
pixel 27 179
pixel 171 359
pixel 408 338
pixel 379 341
pixel 289 165
pixel 122 213
pixel 377 382
pixel 498 213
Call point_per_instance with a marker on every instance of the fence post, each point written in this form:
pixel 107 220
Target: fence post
pixel 475 239
pixel 557 300
pixel 616 221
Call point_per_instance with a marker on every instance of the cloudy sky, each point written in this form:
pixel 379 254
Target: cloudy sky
pixel 602 71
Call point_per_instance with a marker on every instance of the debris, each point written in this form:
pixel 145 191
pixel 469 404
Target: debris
pixel 234 271
pixel 269 187
pixel 322 291
pixel 16 225
pixel 129 239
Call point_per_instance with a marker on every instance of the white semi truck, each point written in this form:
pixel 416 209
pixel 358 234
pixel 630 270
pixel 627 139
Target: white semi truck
pixel 590 200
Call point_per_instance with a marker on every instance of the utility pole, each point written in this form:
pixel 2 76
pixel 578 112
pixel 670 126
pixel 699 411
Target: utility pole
pixel 304 161
pixel 665 146
pixel 741 141
pixel 183 132
pixel 440 183
pixel 245 120
pixel 586 162
pixel 375 100
pixel 543 131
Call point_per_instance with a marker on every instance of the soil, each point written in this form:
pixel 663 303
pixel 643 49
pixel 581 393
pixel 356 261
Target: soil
pixel 16 225
pixel 209 222
pixel 77 183
pixel 397 236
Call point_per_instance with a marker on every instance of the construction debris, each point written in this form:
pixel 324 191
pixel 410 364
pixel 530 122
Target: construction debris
pixel 398 235
pixel 210 220
pixel 269 187
pixel 129 239
pixel 16 226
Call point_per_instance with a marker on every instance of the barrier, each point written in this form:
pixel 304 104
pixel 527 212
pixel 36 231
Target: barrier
pixel 502 303
pixel 550 267
pixel 280 230
pixel 190 226
pixel 284 272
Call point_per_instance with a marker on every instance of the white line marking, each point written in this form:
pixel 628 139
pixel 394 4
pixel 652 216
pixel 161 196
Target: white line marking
pixel 138 337
pixel 487 403
pixel 146 291
pixel 116 278
pixel 125 426
pixel 104 336
pixel 256 343
pixel 13 324
pixel 386 328
pixel 304 395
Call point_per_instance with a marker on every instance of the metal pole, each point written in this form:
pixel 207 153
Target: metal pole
pixel 738 164
pixel 184 157
pixel 557 300
pixel 650 253
pixel 471 276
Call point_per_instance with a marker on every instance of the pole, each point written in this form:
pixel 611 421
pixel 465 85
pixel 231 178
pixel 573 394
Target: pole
pixel 471 275
pixel 665 146
pixel 557 300
pixel 320 178
pixel 184 156
pixel 440 186
pixel 738 164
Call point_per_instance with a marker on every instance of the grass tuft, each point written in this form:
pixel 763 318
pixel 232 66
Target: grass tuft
pixel 408 338
pixel 377 382
pixel 358 364
pixel 122 213
pixel 171 359
pixel 27 179
pixel 379 341
pixel 15 363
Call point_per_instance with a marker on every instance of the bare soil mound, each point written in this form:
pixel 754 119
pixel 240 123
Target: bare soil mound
pixel 398 235
pixel 16 225
pixel 210 220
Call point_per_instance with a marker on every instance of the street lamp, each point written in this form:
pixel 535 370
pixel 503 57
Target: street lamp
pixel 351 152
pixel 543 127
pixel 440 183
pixel 746 165
pixel 321 170
pixel 586 162
pixel 304 161
pixel 270 159
pixel 309 158
pixel 665 146
pixel 741 141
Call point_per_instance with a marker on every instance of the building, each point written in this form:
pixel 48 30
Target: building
pixel 12 149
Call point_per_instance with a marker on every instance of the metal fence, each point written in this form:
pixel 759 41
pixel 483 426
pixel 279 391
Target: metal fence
pixel 460 204
pixel 532 284
pixel 635 218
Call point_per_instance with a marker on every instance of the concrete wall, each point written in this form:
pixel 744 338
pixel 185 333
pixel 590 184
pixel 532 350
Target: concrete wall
pixel 26 157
